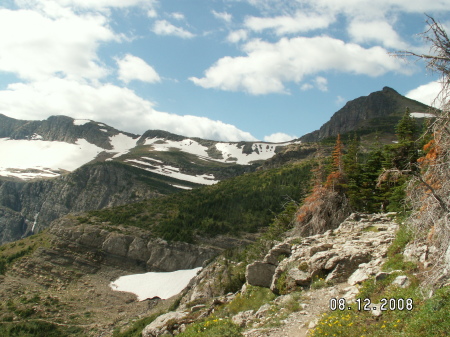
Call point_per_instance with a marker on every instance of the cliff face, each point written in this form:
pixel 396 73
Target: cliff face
pixel 379 111
pixel 30 207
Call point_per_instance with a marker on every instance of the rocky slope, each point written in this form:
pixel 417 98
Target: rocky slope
pixel 340 259
pixel 380 111
pixel 29 207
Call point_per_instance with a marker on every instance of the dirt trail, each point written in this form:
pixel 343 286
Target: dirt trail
pixel 297 323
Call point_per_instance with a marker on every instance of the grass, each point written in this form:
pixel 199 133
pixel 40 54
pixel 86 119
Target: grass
pixel 252 299
pixel 212 327
pixel 136 329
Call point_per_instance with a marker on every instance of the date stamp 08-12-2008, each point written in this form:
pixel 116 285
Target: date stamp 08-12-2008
pixel 367 305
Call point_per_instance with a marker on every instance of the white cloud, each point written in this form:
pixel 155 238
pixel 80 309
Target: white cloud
pixel 163 27
pixel 267 66
pixel 135 68
pixel 177 16
pixel 151 13
pixel 376 31
pixel 237 36
pixel 87 4
pixel 34 46
pixel 427 93
pixel 227 17
pixel 279 137
pixel 286 24
pixel 319 82
pixel 107 103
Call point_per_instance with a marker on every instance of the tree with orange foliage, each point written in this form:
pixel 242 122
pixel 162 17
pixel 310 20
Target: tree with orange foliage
pixel 326 206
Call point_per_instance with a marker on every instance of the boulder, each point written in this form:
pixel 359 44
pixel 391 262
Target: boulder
pixel 301 278
pixel 158 326
pixel 260 274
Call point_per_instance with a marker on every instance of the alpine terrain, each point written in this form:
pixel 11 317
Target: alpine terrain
pixel 342 232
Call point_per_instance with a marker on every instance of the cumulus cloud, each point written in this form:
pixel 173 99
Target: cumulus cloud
pixel 237 36
pixel 427 93
pixel 227 17
pixel 35 46
pixel 163 27
pixel 107 103
pixel 279 137
pixel 286 24
pixel 378 31
pixel 134 68
pixel 267 66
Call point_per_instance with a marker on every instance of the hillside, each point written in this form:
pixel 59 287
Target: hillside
pixel 378 112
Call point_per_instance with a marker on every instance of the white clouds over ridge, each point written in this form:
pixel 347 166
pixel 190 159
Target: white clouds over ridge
pixel 267 66
pixel 116 106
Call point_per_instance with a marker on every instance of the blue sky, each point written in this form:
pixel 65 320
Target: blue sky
pixel 220 69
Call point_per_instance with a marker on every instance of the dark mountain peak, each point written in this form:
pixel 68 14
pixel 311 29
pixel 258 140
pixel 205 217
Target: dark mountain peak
pixel 159 134
pixel 379 111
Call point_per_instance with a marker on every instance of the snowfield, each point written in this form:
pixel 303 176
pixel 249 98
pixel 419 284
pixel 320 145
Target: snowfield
pixel 122 144
pixel 149 285
pixel 174 172
pixel 43 158
pixel 230 151
pixel 421 115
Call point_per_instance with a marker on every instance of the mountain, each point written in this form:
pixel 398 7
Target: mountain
pixel 378 112
pixel 60 144
pixel 62 165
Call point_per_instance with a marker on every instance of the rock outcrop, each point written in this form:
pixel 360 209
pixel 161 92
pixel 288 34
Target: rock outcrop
pixel 130 248
pixel 354 251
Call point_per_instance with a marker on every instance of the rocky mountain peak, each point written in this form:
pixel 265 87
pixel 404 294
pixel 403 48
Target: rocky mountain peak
pixel 379 111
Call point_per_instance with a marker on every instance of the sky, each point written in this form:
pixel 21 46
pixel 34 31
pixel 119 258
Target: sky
pixel 227 70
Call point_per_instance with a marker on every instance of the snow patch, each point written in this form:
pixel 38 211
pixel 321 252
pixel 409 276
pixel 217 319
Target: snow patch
pixel 104 130
pixel 43 156
pixel 121 144
pixel 80 121
pixel 149 285
pixel 174 172
pixel 421 115
pixel 182 187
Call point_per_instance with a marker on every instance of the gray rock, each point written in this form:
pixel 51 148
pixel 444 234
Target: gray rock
pixel 242 318
pixel 260 274
pixel 158 326
pixel 300 277
pixel 402 281
pixel 359 276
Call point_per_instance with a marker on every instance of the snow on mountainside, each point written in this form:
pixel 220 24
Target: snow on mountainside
pixel 230 152
pixel 46 149
pixel 36 158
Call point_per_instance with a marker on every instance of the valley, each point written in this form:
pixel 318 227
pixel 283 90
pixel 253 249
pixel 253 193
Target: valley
pixel 261 228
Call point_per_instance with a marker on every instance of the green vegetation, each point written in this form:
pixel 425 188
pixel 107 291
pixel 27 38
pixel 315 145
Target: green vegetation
pixel 136 328
pixel 243 204
pixel 37 329
pixel 213 327
pixel 11 252
pixel 252 299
